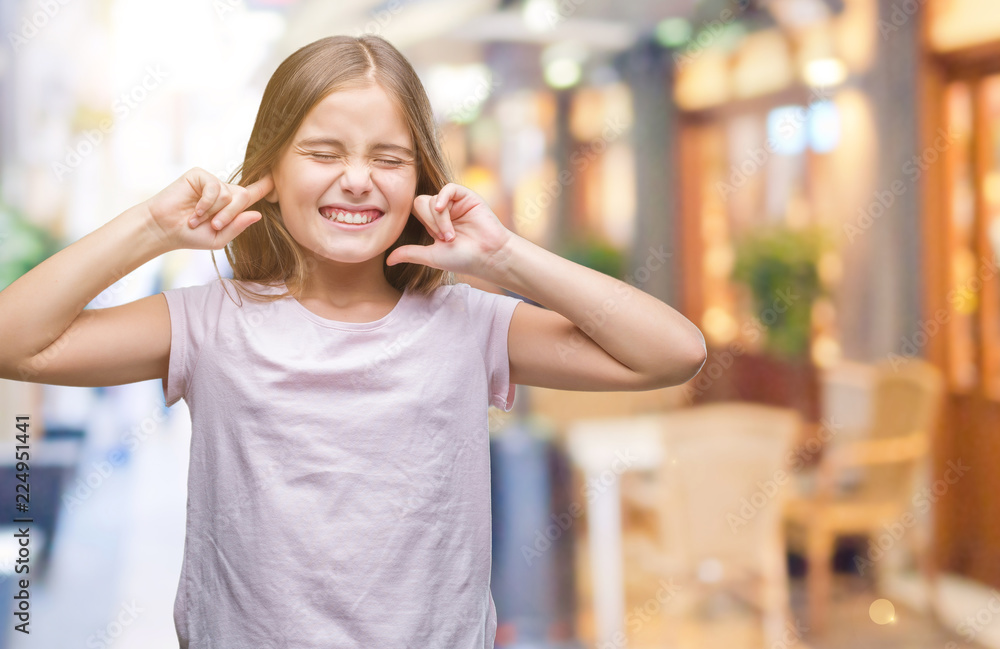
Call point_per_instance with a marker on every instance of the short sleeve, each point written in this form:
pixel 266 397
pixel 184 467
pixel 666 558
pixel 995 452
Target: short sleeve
pixel 490 315
pixel 191 308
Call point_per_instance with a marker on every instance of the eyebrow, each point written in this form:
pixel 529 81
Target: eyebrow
pixel 328 141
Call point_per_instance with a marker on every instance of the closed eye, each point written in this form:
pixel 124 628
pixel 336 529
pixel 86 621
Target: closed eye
pixel 328 156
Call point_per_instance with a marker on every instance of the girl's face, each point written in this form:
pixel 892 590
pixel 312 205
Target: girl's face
pixel 352 154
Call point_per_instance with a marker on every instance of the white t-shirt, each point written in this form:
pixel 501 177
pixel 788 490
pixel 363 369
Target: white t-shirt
pixel 339 485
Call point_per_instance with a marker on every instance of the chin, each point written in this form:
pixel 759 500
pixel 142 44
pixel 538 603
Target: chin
pixel 348 256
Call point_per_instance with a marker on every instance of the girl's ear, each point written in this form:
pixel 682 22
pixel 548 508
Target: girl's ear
pixel 272 196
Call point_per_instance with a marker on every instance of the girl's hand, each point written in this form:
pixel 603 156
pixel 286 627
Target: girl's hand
pixel 200 197
pixel 468 236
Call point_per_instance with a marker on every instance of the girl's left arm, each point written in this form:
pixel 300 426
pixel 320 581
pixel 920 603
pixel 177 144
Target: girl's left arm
pixel 597 333
pixel 601 333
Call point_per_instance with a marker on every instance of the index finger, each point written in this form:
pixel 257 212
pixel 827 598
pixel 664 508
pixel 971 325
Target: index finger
pixel 258 190
pixel 446 194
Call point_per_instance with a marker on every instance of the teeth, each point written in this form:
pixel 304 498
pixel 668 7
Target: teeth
pixel 348 217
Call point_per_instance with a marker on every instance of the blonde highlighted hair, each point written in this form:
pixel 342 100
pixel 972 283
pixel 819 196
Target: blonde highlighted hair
pixel 265 252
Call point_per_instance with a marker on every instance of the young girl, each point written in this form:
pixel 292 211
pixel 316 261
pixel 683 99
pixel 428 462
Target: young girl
pixel 339 486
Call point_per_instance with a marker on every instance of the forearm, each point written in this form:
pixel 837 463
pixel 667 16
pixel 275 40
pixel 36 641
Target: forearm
pixel 640 331
pixel 40 305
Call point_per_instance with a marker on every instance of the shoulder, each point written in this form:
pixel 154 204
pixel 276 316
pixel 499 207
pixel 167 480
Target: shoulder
pixel 195 294
pixel 482 309
pixel 461 298
pixel 216 294
pixel 224 285
pixel 470 295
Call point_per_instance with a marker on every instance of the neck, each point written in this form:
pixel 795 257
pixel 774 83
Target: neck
pixel 343 284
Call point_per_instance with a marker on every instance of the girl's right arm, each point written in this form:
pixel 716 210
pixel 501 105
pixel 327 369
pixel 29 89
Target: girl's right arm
pixel 48 336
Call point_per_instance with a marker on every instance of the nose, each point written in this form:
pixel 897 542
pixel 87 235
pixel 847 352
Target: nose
pixel 357 178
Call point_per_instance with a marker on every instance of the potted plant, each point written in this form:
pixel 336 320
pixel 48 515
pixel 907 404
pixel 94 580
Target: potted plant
pixel 779 266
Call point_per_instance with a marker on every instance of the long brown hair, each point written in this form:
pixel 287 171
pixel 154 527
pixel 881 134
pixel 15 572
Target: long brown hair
pixel 265 252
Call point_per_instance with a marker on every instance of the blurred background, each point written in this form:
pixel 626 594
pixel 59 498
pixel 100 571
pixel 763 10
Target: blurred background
pixel 814 183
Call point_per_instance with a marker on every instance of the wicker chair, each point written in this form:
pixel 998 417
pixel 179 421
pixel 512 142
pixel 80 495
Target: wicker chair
pixel 717 503
pixel 865 481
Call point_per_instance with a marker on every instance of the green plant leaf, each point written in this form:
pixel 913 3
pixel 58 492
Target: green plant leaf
pixel 780 267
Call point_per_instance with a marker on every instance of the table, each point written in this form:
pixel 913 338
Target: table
pixel 604 449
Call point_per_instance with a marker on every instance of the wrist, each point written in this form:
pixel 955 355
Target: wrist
pixel 149 238
pixel 499 263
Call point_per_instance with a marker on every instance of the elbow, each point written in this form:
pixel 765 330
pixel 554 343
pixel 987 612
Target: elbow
pixel 698 361
pixel 692 368
pixel 700 355
pixel 682 368
pixel 675 371
pixel 676 365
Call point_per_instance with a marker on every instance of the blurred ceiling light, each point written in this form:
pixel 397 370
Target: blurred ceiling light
pixel 457 92
pixel 826 72
pixel 823 126
pixel 793 14
pixel 540 15
pixel 562 64
pixel 673 32
pixel 563 73
pixel 786 130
